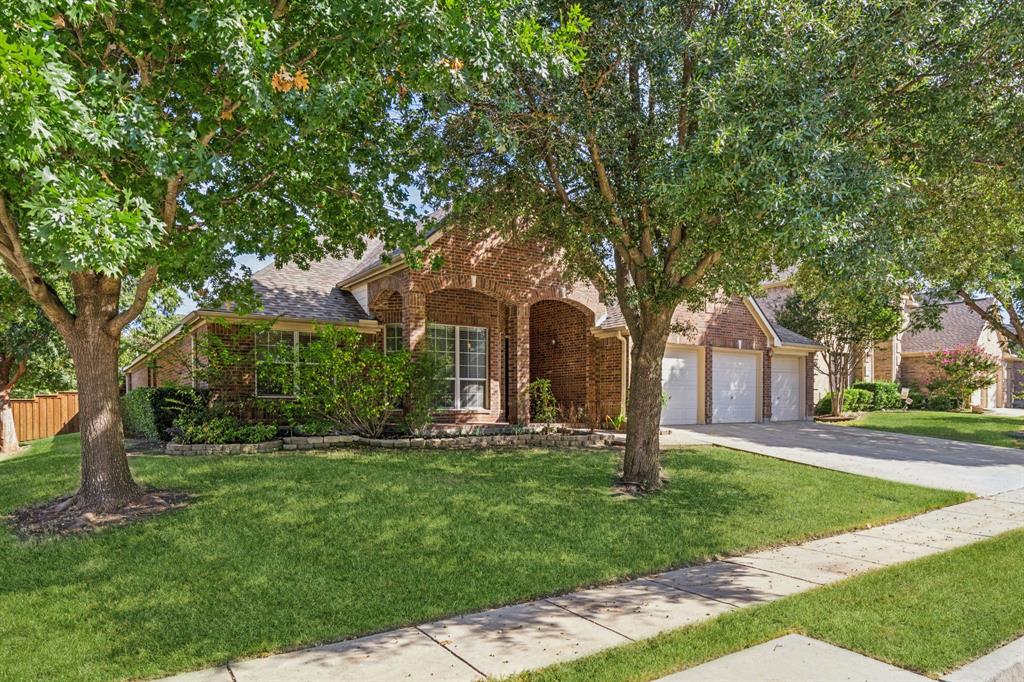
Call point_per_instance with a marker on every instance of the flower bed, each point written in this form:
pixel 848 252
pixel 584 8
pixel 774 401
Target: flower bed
pixel 453 442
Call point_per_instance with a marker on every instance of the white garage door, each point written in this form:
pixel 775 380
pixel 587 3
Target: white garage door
pixel 679 383
pixel 734 387
pixel 786 380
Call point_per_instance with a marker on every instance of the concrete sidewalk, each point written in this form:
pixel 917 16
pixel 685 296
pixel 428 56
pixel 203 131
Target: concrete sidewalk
pixel 507 640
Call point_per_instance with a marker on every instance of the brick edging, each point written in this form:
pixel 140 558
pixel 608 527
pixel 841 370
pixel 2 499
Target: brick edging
pixel 299 443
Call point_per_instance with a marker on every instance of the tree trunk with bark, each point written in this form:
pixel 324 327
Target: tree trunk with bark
pixel 107 483
pixel 641 466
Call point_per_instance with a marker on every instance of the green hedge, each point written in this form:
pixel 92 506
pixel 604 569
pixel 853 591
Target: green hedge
pixel 137 414
pixel 885 394
pixel 854 400
pixel 201 428
pixel 150 412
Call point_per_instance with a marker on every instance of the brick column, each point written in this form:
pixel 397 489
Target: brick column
pixel 766 385
pixel 414 320
pixel 520 365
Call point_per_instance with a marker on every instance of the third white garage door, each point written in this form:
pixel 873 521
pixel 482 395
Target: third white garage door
pixel 733 387
pixel 787 378
pixel 679 372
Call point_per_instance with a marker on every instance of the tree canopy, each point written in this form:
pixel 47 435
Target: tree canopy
pixel 149 143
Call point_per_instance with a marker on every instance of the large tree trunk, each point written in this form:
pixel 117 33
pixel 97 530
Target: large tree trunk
pixel 8 433
pixel 107 483
pixel 641 465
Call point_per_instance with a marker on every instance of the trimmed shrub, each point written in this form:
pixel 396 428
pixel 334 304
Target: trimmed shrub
pixel 885 394
pixel 151 412
pixel 137 414
pixel 854 400
pixel 543 405
pixel 942 403
pixel 191 428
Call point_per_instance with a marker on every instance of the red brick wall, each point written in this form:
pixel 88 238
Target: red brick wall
pixel 729 324
pixel 608 377
pixel 562 350
pixel 883 369
pixel 173 364
pixel 917 372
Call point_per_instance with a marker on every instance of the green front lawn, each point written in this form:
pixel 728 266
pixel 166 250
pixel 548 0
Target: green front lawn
pixel 966 426
pixel 287 550
pixel 931 615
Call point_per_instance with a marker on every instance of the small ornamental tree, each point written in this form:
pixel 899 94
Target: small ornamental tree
pixel 846 326
pixel 148 143
pixel 964 370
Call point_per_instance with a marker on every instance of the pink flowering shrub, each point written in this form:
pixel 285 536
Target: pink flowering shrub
pixel 963 370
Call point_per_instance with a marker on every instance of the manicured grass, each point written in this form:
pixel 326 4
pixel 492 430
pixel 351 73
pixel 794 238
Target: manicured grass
pixel 932 615
pixel 287 550
pixel 974 428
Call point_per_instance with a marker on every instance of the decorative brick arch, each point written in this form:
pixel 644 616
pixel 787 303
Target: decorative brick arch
pixel 508 293
pixel 386 306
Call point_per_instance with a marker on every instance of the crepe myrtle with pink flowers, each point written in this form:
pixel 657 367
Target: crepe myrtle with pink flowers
pixel 963 370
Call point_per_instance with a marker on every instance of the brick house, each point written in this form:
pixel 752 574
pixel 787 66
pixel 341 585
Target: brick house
pixel 504 314
pixel 904 357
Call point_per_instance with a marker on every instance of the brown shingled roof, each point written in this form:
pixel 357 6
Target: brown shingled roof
pixel 310 294
pixel 960 326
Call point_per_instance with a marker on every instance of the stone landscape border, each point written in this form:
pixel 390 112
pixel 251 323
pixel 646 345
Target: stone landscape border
pixel 460 442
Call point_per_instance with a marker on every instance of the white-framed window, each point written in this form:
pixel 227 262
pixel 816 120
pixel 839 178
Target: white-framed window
pixel 268 349
pixel 393 341
pixel 462 352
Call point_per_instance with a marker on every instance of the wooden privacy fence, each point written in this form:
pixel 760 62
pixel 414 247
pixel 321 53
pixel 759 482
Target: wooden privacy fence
pixel 45 415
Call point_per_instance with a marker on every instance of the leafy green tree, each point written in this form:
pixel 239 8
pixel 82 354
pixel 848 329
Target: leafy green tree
pixel 32 356
pixel 962 129
pixel 702 145
pixel 147 144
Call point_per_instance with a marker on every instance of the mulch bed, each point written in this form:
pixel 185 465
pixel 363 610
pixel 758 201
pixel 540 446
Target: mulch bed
pixel 59 518
pixel 841 418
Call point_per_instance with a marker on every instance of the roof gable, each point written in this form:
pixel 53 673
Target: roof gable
pixel 959 326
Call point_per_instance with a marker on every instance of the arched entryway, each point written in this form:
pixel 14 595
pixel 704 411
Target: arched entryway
pixel 561 350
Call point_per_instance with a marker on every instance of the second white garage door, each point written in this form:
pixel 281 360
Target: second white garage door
pixel 679 372
pixel 787 377
pixel 733 387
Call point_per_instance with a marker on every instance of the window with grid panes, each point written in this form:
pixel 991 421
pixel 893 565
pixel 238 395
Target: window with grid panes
pixel 462 355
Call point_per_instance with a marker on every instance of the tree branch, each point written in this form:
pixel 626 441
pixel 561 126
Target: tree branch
pixel 989 316
pixel 13 255
pixel 142 289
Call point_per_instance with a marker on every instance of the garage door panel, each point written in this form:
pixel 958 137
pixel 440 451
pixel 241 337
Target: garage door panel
pixel 787 377
pixel 679 374
pixel 734 387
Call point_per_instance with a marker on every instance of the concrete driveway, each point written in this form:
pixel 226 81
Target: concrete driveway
pixel 932 462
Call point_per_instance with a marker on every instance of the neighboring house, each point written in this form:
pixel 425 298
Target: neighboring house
pixel 504 313
pixel 904 357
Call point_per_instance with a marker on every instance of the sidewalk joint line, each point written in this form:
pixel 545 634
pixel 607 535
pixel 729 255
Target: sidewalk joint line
pixel 443 646
pixel 231 673
pixel 785 575
pixel 697 594
pixel 589 620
